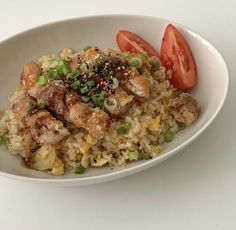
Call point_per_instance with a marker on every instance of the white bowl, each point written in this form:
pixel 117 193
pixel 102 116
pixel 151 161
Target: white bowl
pixel 76 33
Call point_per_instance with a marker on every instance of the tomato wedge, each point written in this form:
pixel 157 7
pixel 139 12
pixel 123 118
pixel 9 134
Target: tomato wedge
pixel 128 41
pixel 176 56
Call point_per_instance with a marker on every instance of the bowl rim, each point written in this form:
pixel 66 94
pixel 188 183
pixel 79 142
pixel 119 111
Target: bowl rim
pixel 145 164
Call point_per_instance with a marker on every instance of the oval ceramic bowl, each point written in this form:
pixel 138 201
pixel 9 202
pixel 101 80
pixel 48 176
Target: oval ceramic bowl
pixel 76 33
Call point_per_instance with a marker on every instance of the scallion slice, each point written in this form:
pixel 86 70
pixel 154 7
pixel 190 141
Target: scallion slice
pixel 42 80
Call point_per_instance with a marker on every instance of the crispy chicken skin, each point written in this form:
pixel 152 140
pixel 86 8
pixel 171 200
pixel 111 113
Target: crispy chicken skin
pixel 184 108
pixel 53 92
pixel 44 128
pixel 123 101
pixel 83 115
pixel 139 86
pixel 30 74
pixel 136 84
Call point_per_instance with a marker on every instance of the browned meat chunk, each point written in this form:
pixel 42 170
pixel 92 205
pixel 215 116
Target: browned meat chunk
pixel 53 93
pixel 97 123
pixel 118 103
pixel 83 115
pixel 44 128
pixel 184 108
pixel 30 74
pixel 78 111
pixel 91 57
pixel 139 86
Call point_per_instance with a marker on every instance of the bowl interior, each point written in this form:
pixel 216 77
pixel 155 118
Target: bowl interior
pixel 100 31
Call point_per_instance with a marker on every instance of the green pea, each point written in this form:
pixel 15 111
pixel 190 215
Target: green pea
pixel 136 62
pixel 80 170
pixel 182 125
pixel 168 136
pixel 133 156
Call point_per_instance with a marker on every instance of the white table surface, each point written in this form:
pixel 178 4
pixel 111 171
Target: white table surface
pixel 196 189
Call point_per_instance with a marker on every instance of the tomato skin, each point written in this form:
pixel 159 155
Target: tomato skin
pixel 128 41
pixel 177 57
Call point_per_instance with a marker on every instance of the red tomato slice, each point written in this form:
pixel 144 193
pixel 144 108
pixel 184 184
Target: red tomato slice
pixel 176 55
pixel 128 41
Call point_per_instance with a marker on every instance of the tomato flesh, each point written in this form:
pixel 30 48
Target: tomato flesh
pixel 128 41
pixel 177 57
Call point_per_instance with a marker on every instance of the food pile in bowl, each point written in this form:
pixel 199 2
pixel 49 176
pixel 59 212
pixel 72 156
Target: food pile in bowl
pixel 94 108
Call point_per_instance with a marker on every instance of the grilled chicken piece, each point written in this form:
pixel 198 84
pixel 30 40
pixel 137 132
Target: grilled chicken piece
pixel 92 57
pixel 184 108
pixel 78 111
pixel 44 128
pixel 122 99
pixel 53 92
pixel 139 86
pixel 30 74
pixel 83 115
pixel 97 123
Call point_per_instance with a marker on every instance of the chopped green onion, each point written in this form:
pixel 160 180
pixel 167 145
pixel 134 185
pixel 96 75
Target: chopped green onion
pixel 31 106
pixel 133 156
pixel 154 62
pixel 42 103
pixel 182 125
pixel 178 92
pixel 98 99
pixel 91 83
pixel 84 89
pixel 110 104
pixel 108 76
pixel 75 85
pixel 91 73
pixel 86 48
pixel 70 77
pixel 42 80
pixel 115 83
pixel 143 55
pixel 53 73
pixel 62 68
pixel 75 72
pixel 168 136
pixel 125 55
pixel 124 129
pixel 146 156
pixel 146 73
pixel 85 98
pixel 80 170
pixel 136 62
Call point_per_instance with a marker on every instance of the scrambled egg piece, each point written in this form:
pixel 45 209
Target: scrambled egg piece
pixel 90 141
pixel 100 161
pixel 85 160
pixel 85 147
pixel 58 167
pixel 154 124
